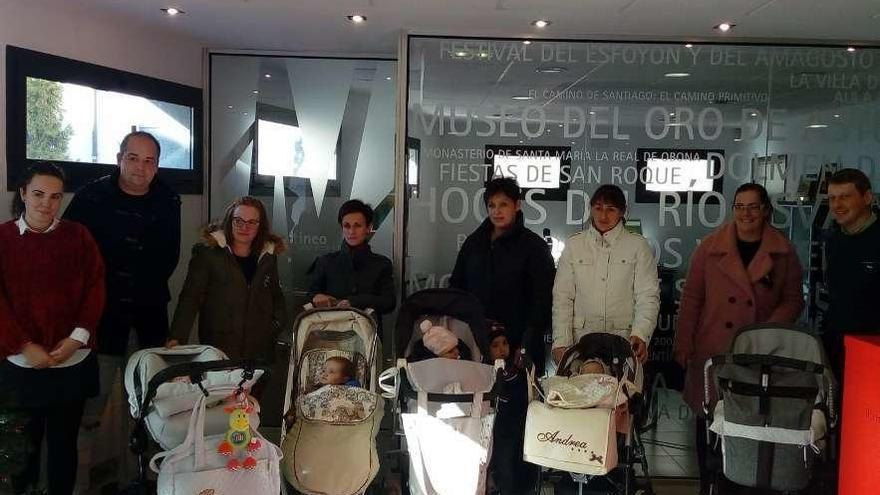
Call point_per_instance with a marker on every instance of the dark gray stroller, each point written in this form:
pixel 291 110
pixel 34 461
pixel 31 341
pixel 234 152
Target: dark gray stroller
pixel 769 403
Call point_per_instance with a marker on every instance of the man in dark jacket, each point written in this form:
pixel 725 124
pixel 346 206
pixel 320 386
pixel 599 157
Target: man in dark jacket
pixel 135 220
pixel 852 252
pixel 510 270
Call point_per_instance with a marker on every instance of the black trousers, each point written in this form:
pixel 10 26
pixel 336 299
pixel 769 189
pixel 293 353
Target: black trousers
pixel 149 322
pixel 59 423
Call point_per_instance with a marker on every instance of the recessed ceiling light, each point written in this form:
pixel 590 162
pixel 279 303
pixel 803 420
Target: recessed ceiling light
pixel 523 97
pixel 572 142
pixel 356 18
pixel 387 78
pixel 550 70
pixel 172 11
pixel 560 125
pixel 688 45
pixel 267 75
pixel 520 141
pixel 245 114
pixel 461 54
pixel 484 55
pixel 677 74
pixel 229 107
pixel 591 113
pixel 541 23
pixel 737 139
pixel 817 126
pixel 753 114
pixel 725 26
pixel 256 92
pixel 851 49
pixel 527 42
pixel 836 115
pixel 672 114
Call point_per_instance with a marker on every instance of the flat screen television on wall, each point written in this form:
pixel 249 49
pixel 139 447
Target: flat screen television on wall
pixel 690 174
pixel 533 167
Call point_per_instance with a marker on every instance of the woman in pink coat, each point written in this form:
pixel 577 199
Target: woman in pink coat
pixel 743 273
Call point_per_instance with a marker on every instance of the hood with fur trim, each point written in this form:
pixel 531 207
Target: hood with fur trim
pixel 217 238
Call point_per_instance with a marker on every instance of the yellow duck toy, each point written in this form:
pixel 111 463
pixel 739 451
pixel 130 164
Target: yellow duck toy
pixel 239 435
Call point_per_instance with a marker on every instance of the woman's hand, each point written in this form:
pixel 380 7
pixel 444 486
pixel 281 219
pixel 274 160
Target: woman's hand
pixel 65 349
pixel 345 303
pixel 171 343
pixel 640 348
pixel 37 356
pixel 558 353
pixel 324 301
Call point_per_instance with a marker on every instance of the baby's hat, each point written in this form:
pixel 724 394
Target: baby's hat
pixel 436 338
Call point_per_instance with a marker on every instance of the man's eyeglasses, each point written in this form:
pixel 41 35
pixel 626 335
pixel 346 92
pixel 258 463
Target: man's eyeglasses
pixel 241 223
pixel 751 207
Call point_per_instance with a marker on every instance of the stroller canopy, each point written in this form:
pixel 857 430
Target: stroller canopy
pixel 453 303
pixel 613 350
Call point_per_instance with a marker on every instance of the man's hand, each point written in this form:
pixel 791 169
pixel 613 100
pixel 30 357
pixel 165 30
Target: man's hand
pixel 640 348
pixel 558 353
pixel 37 356
pixel 171 343
pixel 65 349
pixel 323 301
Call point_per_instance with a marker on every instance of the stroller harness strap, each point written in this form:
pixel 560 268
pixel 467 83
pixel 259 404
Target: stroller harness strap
pixel 753 390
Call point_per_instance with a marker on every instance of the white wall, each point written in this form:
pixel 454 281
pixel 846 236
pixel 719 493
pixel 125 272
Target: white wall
pixel 98 38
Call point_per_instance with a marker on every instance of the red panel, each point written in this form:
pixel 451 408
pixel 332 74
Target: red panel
pixel 860 447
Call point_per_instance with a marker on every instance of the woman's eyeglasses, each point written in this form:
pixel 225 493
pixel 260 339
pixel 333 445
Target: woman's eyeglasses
pixel 242 223
pixel 751 207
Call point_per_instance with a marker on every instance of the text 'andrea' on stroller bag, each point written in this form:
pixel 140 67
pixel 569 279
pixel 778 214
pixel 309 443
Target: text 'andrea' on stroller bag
pixel 446 406
pixel 329 433
pixel 579 419
pixel 770 400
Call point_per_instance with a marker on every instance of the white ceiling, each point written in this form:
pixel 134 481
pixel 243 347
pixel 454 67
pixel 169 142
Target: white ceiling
pixel 320 25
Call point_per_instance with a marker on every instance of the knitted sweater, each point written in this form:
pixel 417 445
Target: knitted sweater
pixel 50 283
pixel 854 280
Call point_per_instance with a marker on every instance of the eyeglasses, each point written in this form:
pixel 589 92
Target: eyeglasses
pixel 241 223
pixel 751 207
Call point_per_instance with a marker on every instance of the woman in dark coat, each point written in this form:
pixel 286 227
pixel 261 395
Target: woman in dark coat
pixel 232 285
pixel 510 270
pixel 743 273
pixel 354 276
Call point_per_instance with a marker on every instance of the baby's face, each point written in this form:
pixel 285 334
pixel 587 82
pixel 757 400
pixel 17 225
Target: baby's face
pixel 333 373
pixel 592 367
pixel 499 348
pixel 451 353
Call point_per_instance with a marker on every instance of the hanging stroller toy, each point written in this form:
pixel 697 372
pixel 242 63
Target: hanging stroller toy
pixel 239 436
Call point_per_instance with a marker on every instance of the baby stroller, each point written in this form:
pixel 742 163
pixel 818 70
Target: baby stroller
pixel 586 424
pixel 164 384
pixel 769 401
pixel 446 406
pixel 329 434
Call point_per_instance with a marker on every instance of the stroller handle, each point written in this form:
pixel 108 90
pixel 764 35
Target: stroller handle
pixel 196 373
pixel 407 391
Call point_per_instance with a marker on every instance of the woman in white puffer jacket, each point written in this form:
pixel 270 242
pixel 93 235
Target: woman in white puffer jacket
pixel 606 280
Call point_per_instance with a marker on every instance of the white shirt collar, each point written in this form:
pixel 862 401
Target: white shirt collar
pixel 24 227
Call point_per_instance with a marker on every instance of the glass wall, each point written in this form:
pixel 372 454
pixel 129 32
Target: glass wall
pixel 305 135
pixel 678 126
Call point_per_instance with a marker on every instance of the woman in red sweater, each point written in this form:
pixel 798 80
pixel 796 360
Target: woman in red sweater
pixel 51 298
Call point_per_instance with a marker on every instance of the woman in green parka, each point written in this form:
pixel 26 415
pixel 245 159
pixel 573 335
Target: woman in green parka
pixel 232 285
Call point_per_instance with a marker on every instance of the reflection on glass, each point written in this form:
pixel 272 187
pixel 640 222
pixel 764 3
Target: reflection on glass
pixel 75 123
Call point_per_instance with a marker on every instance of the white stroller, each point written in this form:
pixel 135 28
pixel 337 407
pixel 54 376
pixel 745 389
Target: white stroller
pixel 770 401
pixel 446 405
pixel 329 433
pixel 587 415
pixel 164 384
